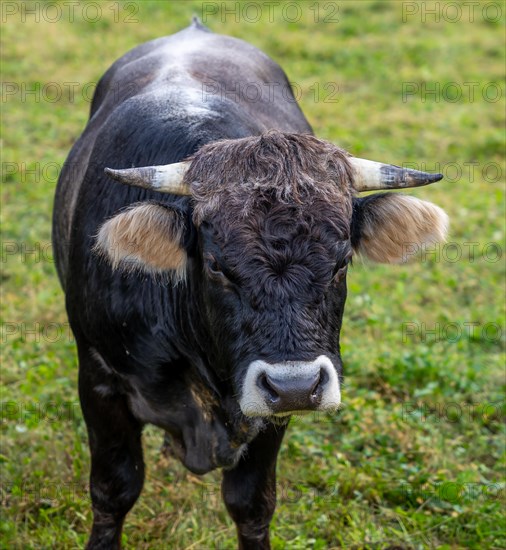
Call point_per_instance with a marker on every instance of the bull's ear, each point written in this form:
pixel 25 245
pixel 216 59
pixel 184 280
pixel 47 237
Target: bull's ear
pixel 390 227
pixel 146 237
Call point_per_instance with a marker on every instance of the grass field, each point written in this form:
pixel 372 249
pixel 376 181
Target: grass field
pixel 415 459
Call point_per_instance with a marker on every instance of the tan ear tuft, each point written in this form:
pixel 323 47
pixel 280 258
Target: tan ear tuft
pixel 395 226
pixel 146 237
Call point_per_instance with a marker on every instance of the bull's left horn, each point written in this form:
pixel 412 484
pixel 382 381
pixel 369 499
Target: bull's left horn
pixel 164 179
pixel 370 175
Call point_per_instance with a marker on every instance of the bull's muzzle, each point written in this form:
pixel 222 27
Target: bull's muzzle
pixel 290 387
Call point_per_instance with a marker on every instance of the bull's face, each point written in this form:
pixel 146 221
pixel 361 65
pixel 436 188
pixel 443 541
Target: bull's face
pixel 274 292
pixel 277 223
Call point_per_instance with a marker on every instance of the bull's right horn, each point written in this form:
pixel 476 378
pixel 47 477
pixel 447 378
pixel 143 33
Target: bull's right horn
pixel 166 178
pixel 370 176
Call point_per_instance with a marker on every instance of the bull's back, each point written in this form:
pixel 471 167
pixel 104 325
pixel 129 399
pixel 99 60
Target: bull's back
pixel 158 104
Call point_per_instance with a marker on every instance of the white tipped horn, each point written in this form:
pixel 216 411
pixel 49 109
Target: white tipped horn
pixel 164 179
pixel 370 176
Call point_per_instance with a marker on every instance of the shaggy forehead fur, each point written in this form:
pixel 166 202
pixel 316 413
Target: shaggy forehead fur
pixel 234 177
pixel 279 210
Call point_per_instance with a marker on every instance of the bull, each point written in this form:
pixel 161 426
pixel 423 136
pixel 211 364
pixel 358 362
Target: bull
pixel 202 240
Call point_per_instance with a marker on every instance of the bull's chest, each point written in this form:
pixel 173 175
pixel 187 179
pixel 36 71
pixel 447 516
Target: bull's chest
pixel 203 431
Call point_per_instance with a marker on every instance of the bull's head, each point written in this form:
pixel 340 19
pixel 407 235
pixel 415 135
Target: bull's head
pixel 277 223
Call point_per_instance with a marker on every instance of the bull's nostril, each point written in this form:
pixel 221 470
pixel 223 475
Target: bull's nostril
pixel 263 382
pixel 316 392
pixel 316 384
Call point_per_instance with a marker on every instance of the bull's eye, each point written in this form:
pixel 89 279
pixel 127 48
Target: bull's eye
pixel 341 268
pixel 339 273
pixel 213 267
pixel 216 271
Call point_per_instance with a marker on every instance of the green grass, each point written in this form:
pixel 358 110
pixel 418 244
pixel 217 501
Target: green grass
pixel 415 459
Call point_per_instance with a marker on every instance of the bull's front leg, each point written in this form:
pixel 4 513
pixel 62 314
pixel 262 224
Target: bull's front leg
pixel 117 466
pixel 249 489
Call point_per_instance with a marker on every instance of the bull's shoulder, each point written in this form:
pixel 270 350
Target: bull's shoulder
pixel 131 67
pixel 164 126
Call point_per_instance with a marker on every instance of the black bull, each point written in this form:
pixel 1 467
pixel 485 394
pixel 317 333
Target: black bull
pixel 225 311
